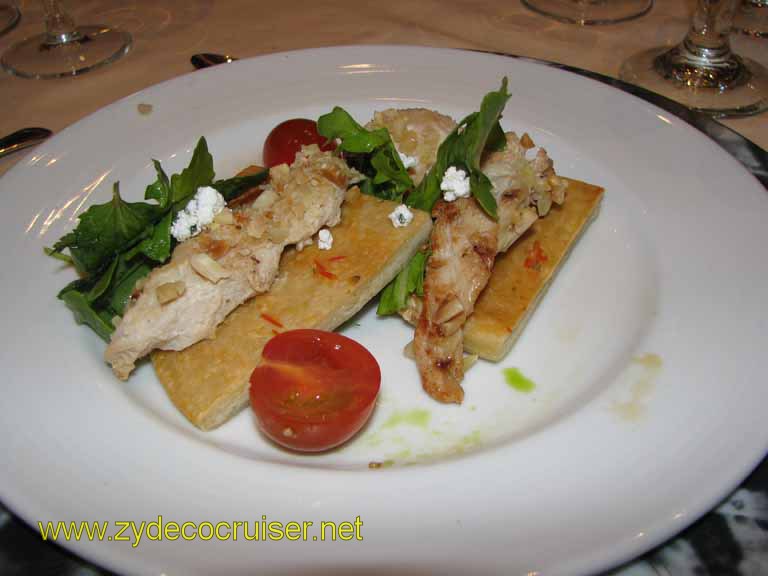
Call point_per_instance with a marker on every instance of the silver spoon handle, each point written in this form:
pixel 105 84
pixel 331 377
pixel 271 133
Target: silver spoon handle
pixel 22 139
pixel 206 59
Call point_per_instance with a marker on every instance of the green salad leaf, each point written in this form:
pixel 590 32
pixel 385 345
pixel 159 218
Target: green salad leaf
pixel 104 229
pixel 354 138
pixel 463 149
pixel 124 283
pixel 86 314
pixel 372 152
pixel 410 280
pixel 117 243
pixel 156 246
pixel 231 188
pixel 198 173
pixel 160 189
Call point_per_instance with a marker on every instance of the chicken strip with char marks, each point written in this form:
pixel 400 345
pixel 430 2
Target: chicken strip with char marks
pixel 464 245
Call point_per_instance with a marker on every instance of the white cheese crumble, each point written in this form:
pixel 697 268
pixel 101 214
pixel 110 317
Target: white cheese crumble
pixel 401 216
pixel 408 161
pixel 197 214
pixel 455 184
pixel 324 239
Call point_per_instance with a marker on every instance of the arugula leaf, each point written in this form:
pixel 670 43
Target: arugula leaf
pixel 157 245
pixel 477 132
pixel 409 281
pixel 58 255
pixel 388 178
pixel 125 280
pixel 497 140
pixel 391 180
pixel 160 189
pixel 463 148
pixel 231 188
pixel 481 188
pixel 366 187
pixel 96 300
pixel 428 192
pixel 102 284
pixel 86 314
pixel 69 239
pixel 104 230
pixel 354 138
pixel 199 173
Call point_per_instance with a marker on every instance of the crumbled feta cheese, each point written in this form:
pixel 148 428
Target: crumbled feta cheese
pixel 455 184
pixel 184 226
pixel 401 216
pixel 408 161
pixel 324 239
pixel 198 213
pixel 304 244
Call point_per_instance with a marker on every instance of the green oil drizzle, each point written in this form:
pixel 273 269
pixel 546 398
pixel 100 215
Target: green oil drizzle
pixel 515 379
pixel 416 417
pixel 471 440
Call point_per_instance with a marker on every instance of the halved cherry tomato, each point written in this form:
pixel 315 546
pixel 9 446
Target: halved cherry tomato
pixel 314 390
pixel 288 137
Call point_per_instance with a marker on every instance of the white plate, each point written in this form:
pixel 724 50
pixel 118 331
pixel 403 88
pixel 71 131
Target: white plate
pixel 647 352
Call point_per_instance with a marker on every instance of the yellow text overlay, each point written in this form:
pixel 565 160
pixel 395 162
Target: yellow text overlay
pixel 254 530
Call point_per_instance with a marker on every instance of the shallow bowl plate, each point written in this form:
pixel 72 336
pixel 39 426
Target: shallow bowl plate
pixel 647 352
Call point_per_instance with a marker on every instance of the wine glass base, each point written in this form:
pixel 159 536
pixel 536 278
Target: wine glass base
pixel 720 92
pixel 93 47
pixel 590 12
pixel 9 17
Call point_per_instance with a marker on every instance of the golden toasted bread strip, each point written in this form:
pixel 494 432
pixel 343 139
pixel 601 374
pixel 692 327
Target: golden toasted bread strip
pixel 208 382
pixel 522 275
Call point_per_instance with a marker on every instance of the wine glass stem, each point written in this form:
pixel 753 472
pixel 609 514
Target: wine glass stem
pixel 704 58
pixel 707 41
pixel 59 25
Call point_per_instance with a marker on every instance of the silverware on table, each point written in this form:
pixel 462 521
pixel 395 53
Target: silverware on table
pixel 21 139
pixel 206 59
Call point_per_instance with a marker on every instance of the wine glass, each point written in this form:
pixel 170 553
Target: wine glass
pixel 64 49
pixel 9 16
pixel 752 18
pixel 590 12
pixel 702 72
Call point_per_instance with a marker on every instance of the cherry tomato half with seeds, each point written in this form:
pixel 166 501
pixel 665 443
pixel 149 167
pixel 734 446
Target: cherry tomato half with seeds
pixel 288 137
pixel 314 390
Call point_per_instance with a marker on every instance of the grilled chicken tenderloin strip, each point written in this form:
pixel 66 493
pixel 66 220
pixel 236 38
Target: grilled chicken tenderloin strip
pixel 464 244
pixel 211 274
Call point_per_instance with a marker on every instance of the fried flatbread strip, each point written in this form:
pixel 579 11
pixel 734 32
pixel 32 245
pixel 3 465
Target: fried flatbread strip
pixel 208 382
pixel 522 275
